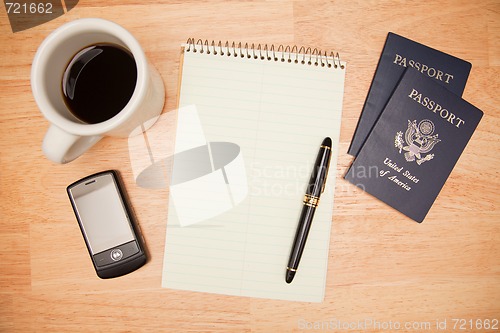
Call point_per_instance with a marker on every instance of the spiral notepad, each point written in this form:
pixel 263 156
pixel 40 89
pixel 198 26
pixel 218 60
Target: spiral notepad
pixel 251 118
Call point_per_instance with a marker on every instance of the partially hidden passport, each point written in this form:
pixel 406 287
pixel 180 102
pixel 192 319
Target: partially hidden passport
pixel 414 145
pixel 398 54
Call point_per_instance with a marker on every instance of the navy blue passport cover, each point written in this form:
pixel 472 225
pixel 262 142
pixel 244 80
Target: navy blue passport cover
pixel 414 146
pixel 398 54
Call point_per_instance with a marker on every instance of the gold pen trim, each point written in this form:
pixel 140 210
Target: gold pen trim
pixel 290 269
pixel 311 200
pixel 325 147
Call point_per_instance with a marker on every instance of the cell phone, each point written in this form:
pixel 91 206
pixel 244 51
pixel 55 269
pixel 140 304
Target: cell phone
pixel 113 239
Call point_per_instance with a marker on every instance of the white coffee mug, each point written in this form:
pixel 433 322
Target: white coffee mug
pixel 68 137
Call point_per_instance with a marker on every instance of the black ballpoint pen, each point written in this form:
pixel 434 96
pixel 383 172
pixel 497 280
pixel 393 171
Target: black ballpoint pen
pixel 311 201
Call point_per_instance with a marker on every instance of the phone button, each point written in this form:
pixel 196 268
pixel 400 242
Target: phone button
pixel 116 254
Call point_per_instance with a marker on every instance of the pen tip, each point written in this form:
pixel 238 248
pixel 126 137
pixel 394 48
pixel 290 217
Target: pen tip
pixel 289 276
pixel 327 142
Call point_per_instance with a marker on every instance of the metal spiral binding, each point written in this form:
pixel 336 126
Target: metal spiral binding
pixel 294 54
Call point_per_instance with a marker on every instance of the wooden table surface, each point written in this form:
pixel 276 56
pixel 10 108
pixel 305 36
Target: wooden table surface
pixel 385 271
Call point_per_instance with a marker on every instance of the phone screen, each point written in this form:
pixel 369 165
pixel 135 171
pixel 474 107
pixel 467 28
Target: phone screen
pixel 102 213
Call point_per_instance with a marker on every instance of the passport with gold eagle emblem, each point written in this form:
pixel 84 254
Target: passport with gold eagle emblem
pixel 398 54
pixel 414 145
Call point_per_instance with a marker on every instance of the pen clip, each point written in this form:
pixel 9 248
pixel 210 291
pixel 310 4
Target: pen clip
pixel 324 183
pixel 326 175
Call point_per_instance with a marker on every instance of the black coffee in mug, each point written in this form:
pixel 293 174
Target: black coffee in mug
pixel 99 81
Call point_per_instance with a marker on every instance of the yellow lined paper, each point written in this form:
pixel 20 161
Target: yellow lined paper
pixel 278 113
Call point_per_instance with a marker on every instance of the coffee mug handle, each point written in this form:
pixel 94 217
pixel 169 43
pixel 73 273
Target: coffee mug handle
pixel 63 147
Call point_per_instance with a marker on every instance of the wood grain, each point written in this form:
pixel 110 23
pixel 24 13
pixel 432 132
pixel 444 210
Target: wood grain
pixel 383 267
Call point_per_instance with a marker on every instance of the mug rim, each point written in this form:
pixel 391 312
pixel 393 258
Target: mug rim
pixel 52 41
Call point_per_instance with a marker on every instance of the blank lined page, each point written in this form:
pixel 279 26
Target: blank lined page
pixel 239 181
